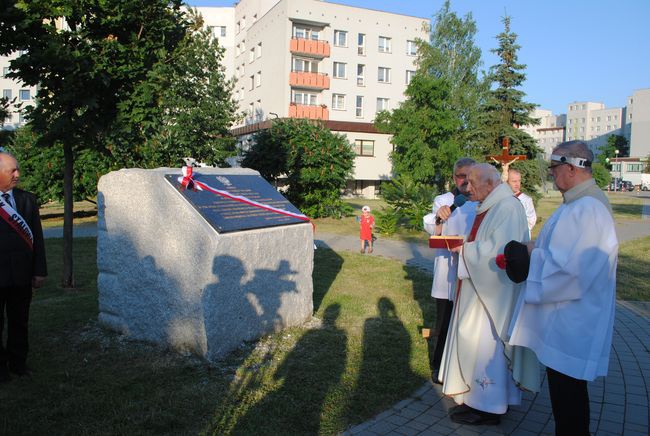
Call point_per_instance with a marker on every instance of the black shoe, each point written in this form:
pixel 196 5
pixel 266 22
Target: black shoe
pixel 475 417
pixel 435 377
pixel 459 408
pixel 4 374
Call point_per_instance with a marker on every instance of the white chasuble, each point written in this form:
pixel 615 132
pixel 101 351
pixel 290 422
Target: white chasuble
pixel 479 368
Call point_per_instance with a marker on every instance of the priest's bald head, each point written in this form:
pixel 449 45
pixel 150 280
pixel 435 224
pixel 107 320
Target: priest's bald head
pixel 570 164
pixel 483 178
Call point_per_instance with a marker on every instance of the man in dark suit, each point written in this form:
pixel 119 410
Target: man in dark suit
pixel 22 265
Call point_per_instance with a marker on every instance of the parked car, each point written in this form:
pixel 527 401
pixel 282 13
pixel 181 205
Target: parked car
pixel 621 185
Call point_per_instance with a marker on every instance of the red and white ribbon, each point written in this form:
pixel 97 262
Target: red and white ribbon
pixel 188 182
pixel 16 222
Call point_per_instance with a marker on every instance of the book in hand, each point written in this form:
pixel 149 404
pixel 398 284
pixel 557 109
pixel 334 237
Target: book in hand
pixel 445 242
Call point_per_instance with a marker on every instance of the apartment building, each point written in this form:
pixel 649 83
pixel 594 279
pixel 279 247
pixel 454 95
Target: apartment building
pixel 549 132
pixel 19 93
pixel 637 122
pixel 319 60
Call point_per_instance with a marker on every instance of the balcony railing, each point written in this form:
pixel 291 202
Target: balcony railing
pixel 319 112
pixel 310 47
pixel 309 80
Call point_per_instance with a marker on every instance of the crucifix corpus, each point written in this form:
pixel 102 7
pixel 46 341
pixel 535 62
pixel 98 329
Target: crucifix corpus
pixel 505 158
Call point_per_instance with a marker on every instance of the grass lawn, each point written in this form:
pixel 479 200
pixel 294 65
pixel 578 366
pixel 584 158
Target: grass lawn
pixel 363 355
pixel 359 355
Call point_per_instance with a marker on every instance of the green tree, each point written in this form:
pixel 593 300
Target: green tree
pixel 423 129
pixel 451 54
pixel 601 175
pixel 183 109
pixel 84 69
pixel 316 162
pixel 608 151
pixel 505 110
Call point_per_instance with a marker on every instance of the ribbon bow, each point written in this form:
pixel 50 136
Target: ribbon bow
pixel 187 182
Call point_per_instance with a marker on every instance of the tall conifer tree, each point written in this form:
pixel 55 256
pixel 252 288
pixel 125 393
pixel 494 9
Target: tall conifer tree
pixel 505 110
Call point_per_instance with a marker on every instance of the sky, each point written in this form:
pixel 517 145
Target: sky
pixel 574 50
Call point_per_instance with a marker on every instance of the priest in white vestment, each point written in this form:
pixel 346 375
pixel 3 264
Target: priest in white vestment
pixel 482 373
pixel 567 313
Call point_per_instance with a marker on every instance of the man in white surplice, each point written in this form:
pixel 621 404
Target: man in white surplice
pixel 567 315
pixel 445 221
pixel 482 373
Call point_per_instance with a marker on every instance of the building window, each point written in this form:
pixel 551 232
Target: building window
pixel 383 75
pixel 359 106
pixel 304 98
pixel 305 33
pixel 384 44
pixel 409 76
pixel 24 95
pixel 251 55
pixel 340 38
pixel 258 50
pixel 217 31
pixel 411 48
pixel 361 44
pixel 584 107
pixel 258 79
pixel 251 82
pixel 5 71
pixel 634 168
pixel 338 102
pixel 383 104
pixel 361 73
pixel 340 70
pixel 237 27
pixel 6 93
pixel 364 147
pixel 304 65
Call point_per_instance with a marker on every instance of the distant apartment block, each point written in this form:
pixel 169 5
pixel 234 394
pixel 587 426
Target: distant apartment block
pixel 549 132
pixel 21 95
pixel 324 61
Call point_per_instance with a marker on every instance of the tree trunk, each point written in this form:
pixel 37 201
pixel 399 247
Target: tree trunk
pixel 68 172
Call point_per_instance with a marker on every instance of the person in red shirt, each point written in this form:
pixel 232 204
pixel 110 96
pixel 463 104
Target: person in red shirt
pixel 367 222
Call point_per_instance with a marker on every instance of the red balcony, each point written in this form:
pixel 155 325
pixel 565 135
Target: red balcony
pixel 310 47
pixel 311 112
pixel 309 80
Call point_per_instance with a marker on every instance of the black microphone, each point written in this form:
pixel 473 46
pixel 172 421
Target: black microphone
pixel 459 200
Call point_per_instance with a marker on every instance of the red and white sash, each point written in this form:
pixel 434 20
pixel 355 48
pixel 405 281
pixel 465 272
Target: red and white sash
pixel 16 222
pixel 189 182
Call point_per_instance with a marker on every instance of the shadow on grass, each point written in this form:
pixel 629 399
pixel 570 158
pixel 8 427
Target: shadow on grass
pixel 75 214
pixel 629 210
pixel 386 344
pixel 296 406
pixel 327 265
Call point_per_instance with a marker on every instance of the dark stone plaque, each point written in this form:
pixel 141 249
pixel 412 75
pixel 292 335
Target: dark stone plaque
pixel 227 215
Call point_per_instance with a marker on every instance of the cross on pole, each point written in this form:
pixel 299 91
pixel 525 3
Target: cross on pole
pixel 505 158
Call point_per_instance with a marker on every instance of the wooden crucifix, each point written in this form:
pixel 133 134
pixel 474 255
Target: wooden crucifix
pixel 505 158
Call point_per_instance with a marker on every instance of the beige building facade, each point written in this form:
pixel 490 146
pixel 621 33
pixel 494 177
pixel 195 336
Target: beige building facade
pixel 319 60
pixel 21 95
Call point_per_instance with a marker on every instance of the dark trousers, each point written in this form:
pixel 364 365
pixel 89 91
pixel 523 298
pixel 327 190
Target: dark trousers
pixel 443 316
pixel 570 403
pixel 14 302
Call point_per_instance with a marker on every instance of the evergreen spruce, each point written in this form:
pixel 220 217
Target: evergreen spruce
pixel 505 110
